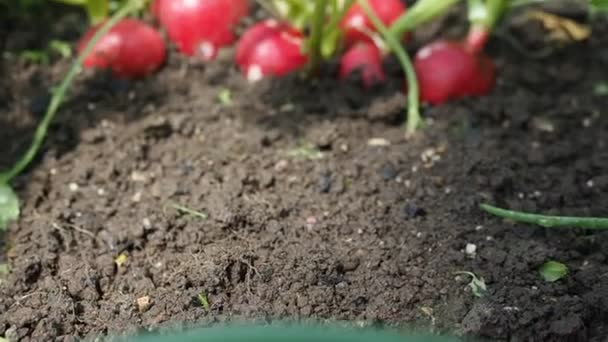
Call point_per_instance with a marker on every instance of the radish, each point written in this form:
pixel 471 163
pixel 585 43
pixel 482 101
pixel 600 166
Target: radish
pixel 448 70
pixel 200 27
pixel 270 48
pixel 365 57
pixel 358 27
pixel 477 37
pixel 131 49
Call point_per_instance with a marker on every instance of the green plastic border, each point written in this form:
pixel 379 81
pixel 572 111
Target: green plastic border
pixel 287 334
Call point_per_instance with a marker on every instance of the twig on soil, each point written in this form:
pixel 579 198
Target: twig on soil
pixel 187 210
pixel 548 221
pixel 76 228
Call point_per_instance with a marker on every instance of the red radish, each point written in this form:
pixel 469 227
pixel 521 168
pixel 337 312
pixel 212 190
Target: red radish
pixel 200 27
pixel 131 49
pixel 477 38
pixel 155 8
pixel 358 27
pixel 366 57
pixel 270 48
pixel 448 70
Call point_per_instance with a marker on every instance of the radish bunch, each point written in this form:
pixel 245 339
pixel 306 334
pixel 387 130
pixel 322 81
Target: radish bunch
pixel 200 28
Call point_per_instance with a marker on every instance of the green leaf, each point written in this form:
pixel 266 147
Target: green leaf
pixel 72 2
pixel 64 49
pixel 553 271
pixel 9 205
pixel 203 300
pixel 3 273
pixel 225 97
pixel 601 88
pixel 97 10
pixel 35 56
pixel 599 5
pixel 477 284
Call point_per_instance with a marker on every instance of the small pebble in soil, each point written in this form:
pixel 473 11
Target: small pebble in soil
pixel 586 122
pixel 324 182
pixel 144 303
pixel 378 142
pixel 137 176
pixel 470 249
pixel 411 210
pixel 280 165
pixel 388 172
pixel 136 197
pixel 73 187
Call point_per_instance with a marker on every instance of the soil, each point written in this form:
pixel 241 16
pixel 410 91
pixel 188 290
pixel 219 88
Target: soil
pixel 316 206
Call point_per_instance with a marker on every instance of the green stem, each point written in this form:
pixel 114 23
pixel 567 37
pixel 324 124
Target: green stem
pixel 59 94
pixel 548 221
pixel 486 13
pixel 422 12
pixel 316 35
pixel 519 3
pixel 413 109
pixel 339 14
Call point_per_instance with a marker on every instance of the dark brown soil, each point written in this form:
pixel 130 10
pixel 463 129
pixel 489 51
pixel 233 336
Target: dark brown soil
pixel 306 218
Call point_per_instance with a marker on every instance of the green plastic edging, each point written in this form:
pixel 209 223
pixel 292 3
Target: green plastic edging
pixel 287 334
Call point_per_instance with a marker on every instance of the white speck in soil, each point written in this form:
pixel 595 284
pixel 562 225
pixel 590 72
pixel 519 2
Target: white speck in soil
pixel 587 122
pixel 378 142
pixel 73 187
pixel 470 249
pixel 137 176
pixel 280 165
pixel 136 197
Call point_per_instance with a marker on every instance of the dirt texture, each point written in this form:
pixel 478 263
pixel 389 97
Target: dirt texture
pixel 316 206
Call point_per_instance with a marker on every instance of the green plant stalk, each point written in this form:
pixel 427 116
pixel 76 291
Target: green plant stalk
pixel 413 106
pixel 59 94
pixel 420 13
pixel 486 13
pixel 316 35
pixel 339 14
pixel 548 221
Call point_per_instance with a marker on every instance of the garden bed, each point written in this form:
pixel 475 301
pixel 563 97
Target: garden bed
pixel 316 206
